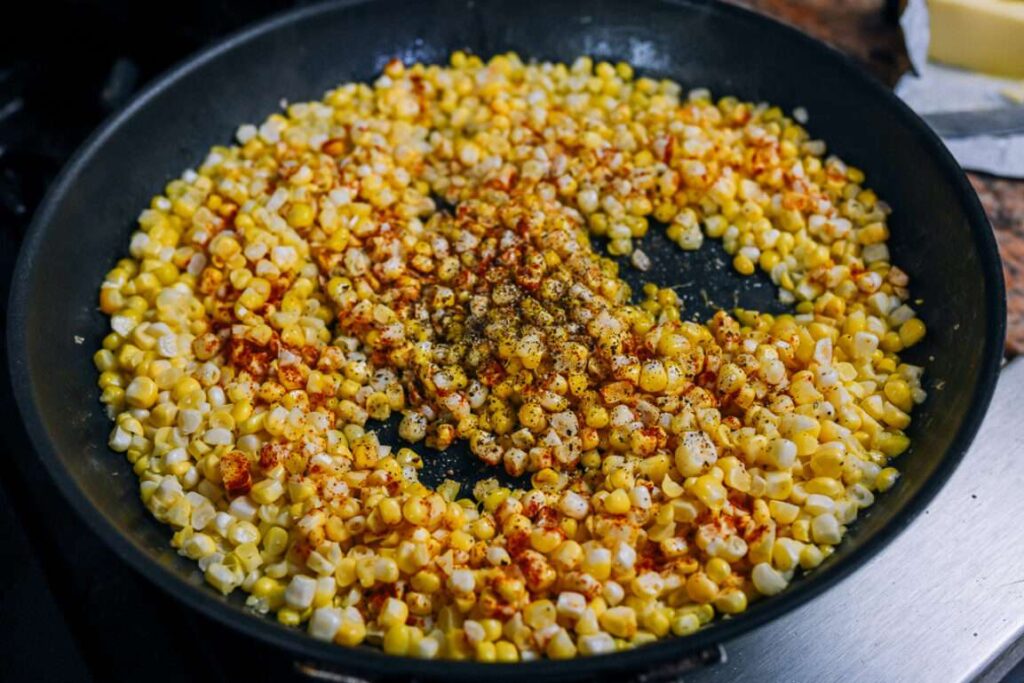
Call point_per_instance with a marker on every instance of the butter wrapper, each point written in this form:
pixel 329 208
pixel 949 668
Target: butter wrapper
pixel 937 88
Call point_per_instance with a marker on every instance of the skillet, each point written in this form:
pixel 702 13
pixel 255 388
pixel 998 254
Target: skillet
pixel 940 236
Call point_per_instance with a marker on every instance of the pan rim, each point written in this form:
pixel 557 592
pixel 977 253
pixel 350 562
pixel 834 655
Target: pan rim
pixel 365 660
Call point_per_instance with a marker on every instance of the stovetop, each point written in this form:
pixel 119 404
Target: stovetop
pixel 944 602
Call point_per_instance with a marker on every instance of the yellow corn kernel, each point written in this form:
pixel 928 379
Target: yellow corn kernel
pixel 506 652
pixel 301 215
pixel 743 264
pixel 486 652
pixel 898 391
pixel 886 478
pixel 141 393
pixel 801 530
pixel 892 443
pixel 782 512
pixel 561 646
pixel 912 331
pixel 685 624
pixel 351 633
pixel 700 588
pixel 619 621
pixel 397 640
pixel 289 617
pixel 731 601
pixel 539 614
pixel 653 377
pixel 710 491
pixel 532 416
pixel 617 502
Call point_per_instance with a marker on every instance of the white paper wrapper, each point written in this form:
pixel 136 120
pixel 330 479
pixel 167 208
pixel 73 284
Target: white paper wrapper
pixel 937 88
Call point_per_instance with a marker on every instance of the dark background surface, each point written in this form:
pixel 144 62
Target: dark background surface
pixel 71 610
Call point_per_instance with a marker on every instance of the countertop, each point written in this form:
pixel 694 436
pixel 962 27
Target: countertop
pixel 867 30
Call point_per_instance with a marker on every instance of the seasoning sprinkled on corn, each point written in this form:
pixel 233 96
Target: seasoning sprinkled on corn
pixel 421 246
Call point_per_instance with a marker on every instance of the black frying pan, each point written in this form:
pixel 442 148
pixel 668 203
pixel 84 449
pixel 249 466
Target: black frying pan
pixel 940 236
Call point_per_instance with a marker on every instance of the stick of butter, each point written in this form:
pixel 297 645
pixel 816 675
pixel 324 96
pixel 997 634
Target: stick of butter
pixel 982 35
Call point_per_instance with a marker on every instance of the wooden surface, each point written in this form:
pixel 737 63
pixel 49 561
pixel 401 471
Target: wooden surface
pixel 864 29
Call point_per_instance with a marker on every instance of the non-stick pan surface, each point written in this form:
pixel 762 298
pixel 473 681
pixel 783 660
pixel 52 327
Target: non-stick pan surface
pixel 940 236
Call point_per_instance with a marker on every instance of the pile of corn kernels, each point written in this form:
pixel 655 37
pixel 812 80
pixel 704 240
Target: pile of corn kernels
pixel 422 246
